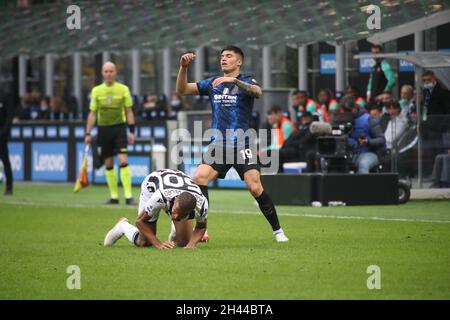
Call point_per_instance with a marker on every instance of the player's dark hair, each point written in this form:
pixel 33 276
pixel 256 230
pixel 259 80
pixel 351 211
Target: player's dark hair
pixel 234 49
pixel 187 203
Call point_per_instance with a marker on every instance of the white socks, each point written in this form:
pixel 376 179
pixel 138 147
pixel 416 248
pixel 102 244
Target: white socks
pixel 129 230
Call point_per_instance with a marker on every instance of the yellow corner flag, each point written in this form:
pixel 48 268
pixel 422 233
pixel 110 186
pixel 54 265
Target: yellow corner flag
pixel 82 180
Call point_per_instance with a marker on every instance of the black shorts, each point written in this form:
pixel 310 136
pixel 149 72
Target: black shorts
pixel 112 140
pixel 223 159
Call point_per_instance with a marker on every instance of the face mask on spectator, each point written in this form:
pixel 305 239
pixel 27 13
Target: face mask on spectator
pixel 428 85
pixel 175 103
pixel 403 103
pixel 34 115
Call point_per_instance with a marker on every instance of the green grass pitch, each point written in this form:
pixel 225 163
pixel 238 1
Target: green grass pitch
pixel 44 228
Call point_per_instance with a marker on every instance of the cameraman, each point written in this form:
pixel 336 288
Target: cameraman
pixel 366 138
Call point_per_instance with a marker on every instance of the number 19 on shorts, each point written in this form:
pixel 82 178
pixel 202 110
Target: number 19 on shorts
pixel 246 153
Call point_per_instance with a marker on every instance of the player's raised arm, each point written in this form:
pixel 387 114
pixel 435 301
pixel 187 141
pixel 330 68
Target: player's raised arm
pixel 183 87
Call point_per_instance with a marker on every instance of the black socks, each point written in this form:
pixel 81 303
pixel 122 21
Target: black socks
pixel 268 209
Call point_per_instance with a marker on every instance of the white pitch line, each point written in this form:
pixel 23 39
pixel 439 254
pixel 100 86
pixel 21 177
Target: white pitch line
pixel 303 215
pixel 324 216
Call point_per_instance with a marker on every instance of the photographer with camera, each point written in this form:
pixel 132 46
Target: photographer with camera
pixel 366 138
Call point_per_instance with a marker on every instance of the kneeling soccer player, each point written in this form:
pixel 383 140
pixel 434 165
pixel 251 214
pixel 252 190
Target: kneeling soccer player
pixel 180 197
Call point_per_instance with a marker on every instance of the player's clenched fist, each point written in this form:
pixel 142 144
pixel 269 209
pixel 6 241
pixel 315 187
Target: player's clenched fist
pixel 186 59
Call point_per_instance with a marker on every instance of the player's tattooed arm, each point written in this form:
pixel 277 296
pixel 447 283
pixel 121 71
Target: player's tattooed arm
pixel 251 89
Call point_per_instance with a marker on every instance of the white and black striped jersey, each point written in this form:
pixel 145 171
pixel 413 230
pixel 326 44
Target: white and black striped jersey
pixel 159 189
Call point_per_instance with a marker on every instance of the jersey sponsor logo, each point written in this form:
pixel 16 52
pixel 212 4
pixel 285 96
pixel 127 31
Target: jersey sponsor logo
pixel 225 100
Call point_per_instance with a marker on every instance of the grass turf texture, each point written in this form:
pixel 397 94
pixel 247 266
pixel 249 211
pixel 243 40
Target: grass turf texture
pixel 45 228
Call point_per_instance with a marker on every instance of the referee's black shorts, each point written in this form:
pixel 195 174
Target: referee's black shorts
pixel 112 140
pixel 223 159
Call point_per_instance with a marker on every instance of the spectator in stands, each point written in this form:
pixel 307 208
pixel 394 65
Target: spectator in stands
pixel 58 109
pixel 177 103
pixel 282 127
pixel 366 138
pixel 382 78
pixel 296 100
pixel 375 110
pixel 45 108
pixel 35 106
pixel 149 107
pixel 407 147
pixel 303 103
pixel 300 146
pixel 385 99
pixel 436 99
pixel 267 126
pixel 435 112
pixel 407 101
pixel 23 112
pixel 354 92
pixel 396 126
pixel 327 104
pixel 162 105
pixel 71 106
pixel 29 106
